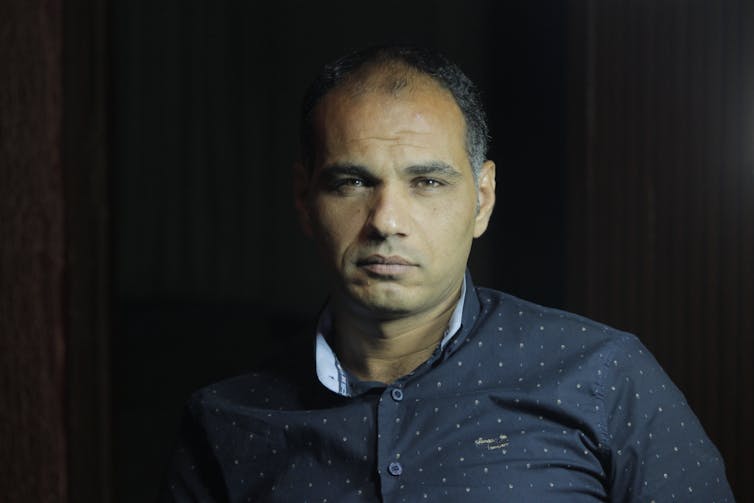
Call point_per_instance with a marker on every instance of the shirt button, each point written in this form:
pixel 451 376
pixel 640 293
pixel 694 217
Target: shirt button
pixel 395 468
pixel 397 394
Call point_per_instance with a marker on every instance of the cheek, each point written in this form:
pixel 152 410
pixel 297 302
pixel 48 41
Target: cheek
pixel 449 233
pixel 451 221
pixel 336 228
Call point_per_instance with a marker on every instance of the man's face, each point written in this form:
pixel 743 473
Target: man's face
pixel 391 200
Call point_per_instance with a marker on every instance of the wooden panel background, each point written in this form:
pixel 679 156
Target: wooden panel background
pixel 54 334
pixel 661 195
pixel 32 319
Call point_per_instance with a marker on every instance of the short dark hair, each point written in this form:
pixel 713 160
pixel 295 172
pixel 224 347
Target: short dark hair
pixel 423 60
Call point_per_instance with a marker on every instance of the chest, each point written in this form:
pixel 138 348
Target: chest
pixel 413 445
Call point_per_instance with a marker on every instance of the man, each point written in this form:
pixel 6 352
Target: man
pixel 417 385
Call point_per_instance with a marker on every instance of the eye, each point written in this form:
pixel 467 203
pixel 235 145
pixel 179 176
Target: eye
pixel 352 182
pixel 428 183
pixel 347 185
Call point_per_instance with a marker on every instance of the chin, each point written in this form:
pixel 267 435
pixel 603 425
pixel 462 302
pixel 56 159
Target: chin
pixel 388 304
pixel 385 311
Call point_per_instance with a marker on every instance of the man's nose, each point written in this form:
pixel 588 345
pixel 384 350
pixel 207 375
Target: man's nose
pixel 389 213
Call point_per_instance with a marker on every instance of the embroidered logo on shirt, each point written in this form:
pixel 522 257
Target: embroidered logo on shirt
pixel 492 443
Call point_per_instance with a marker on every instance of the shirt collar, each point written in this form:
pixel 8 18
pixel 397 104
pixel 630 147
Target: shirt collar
pixel 329 370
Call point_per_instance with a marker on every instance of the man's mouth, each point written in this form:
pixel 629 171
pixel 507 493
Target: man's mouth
pixel 379 265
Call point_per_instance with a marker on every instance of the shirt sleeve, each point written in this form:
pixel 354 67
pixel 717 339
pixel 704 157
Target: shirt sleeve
pixel 657 449
pixel 193 474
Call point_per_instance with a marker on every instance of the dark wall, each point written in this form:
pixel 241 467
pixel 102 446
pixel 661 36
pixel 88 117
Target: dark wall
pixel 622 133
pixel 144 257
pixel 205 107
pixel 661 196
pixel 208 257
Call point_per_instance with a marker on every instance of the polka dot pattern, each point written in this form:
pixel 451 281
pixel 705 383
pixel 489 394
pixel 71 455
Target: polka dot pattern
pixel 521 402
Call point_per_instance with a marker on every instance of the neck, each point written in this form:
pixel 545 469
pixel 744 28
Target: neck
pixel 385 350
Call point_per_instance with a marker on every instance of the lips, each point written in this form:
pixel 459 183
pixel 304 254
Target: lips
pixel 380 265
pixel 379 259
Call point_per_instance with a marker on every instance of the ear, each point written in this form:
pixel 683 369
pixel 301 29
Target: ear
pixel 301 180
pixel 486 197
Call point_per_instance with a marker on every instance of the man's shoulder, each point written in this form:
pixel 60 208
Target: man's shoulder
pixel 507 314
pixel 285 380
pixel 570 343
pixel 512 308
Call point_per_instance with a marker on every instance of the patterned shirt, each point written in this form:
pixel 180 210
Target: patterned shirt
pixel 518 401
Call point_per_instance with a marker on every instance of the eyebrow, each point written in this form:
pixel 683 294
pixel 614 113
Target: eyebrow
pixel 334 170
pixel 430 168
pixel 434 168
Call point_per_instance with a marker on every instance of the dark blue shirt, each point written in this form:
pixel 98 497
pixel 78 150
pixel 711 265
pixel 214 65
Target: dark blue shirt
pixel 523 402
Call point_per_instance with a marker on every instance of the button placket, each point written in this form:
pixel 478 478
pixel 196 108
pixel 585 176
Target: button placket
pixel 391 411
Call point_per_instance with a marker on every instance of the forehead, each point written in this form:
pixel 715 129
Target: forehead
pixel 403 107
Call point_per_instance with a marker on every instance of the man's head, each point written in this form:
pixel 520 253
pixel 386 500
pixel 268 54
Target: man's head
pixel 388 192
pixel 349 69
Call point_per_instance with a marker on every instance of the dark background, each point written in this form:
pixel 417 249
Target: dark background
pixel 149 244
pixel 209 261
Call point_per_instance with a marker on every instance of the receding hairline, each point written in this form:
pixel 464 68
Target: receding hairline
pixel 392 77
pixel 393 81
pixel 394 70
